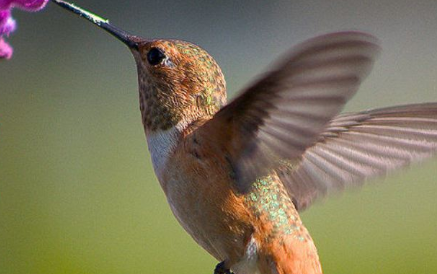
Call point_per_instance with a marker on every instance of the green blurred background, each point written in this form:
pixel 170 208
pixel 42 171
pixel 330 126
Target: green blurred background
pixel 77 189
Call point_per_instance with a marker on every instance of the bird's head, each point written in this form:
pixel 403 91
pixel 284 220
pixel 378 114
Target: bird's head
pixel 179 82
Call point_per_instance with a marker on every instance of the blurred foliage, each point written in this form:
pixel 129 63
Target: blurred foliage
pixel 77 190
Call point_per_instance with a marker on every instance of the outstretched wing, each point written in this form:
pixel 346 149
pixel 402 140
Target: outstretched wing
pixel 284 113
pixel 359 146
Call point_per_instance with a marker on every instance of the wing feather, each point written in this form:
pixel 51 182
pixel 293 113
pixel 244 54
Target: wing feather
pixel 356 147
pixel 282 114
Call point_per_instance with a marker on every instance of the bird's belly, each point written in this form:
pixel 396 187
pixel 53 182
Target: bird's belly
pixel 207 208
pixel 202 237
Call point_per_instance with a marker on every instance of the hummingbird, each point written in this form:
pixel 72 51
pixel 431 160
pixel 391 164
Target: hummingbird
pixel 236 175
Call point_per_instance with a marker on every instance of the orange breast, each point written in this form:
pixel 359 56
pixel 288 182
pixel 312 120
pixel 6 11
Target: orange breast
pixel 199 191
pixel 199 188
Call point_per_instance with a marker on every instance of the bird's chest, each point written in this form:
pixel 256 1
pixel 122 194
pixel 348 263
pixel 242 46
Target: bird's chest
pixel 198 190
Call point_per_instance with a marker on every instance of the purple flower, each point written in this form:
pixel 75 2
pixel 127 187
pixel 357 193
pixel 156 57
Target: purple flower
pixel 7 23
pixel 29 5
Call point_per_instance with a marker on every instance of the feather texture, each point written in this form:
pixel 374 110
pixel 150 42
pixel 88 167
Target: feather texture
pixel 285 112
pixel 355 147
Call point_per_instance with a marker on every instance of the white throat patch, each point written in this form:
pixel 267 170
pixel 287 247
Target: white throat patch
pixel 161 145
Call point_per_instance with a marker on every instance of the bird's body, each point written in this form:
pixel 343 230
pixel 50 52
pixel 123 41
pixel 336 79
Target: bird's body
pixel 237 174
pixel 228 175
pixel 197 181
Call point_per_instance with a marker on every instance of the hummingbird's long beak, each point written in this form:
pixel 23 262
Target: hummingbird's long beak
pixel 122 35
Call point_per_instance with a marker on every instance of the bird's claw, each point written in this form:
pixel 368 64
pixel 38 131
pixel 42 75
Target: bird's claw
pixel 222 269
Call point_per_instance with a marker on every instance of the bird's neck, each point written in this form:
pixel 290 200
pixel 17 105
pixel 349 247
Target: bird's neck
pixel 157 115
pixel 162 144
pixel 164 128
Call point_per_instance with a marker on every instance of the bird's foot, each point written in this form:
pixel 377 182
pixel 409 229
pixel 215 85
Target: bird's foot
pixel 222 269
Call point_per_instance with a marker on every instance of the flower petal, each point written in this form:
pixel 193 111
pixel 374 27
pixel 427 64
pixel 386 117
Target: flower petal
pixel 5 50
pixel 7 24
pixel 5 4
pixel 29 5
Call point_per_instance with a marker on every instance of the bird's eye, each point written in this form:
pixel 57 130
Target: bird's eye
pixel 155 56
